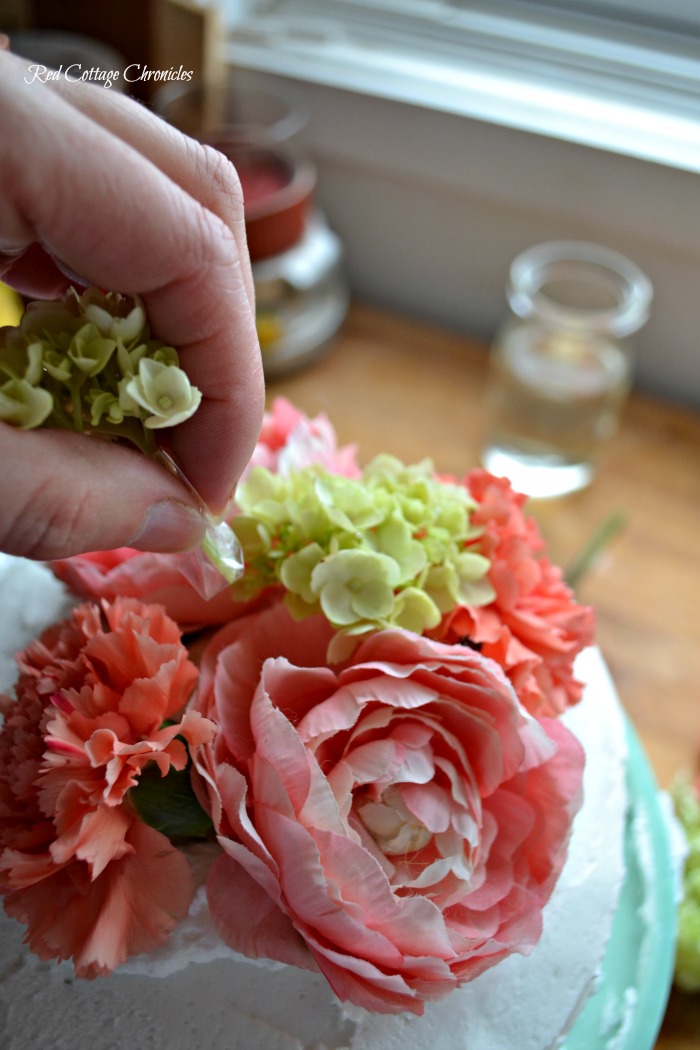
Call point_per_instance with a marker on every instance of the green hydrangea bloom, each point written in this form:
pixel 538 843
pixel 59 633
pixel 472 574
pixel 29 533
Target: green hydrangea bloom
pixel 390 548
pixel 91 365
pixel 355 585
pixel 686 800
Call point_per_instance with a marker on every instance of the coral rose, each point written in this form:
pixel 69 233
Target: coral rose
pixel 77 866
pixel 397 822
pixel 534 628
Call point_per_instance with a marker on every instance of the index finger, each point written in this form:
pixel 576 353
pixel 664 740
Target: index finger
pixel 114 217
pixel 200 170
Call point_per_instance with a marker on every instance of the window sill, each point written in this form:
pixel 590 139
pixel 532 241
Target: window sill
pixel 632 92
pixel 434 190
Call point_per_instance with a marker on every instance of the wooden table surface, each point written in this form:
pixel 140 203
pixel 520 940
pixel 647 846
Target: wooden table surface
pixel 391 384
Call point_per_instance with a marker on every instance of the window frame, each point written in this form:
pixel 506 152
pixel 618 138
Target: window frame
pixel 533 65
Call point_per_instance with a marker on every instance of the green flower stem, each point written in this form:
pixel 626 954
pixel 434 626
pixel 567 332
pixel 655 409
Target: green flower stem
pixel 130 429
pixel 59 416
pixel 686 799
pixel 584 561
pixel 77 408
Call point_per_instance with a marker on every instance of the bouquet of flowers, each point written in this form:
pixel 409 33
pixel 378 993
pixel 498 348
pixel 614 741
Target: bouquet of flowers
pixel 366 726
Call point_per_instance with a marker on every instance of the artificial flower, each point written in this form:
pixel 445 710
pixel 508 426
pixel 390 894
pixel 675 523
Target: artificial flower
pixel 397 822
pixel 351 546
pixel 289 440
pixel 99 699
pixel 533 626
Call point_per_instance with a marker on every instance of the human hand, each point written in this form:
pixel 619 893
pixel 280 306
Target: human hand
pixel 96 190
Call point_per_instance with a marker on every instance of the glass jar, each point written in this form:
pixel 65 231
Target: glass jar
pixel 561 364
pixel 257 129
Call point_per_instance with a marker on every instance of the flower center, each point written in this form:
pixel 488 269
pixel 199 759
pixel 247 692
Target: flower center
pixel 165 403
pixel 391 824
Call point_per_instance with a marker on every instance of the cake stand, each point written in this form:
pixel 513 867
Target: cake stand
pixel 627 1009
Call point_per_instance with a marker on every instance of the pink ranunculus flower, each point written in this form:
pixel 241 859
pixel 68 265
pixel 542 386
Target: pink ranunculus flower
pixel 534 628
pixel 397 822
pixel 77 866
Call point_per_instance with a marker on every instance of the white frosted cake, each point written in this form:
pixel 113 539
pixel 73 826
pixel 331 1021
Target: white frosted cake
pixel 197 992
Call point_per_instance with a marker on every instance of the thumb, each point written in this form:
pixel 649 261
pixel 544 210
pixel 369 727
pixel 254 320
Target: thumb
pixel 64 493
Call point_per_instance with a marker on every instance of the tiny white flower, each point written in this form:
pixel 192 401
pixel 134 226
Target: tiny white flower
pixel 101 319
pixel 127 329
pixel 165 392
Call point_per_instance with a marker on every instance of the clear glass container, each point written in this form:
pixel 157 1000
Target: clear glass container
pixel 258 130
pixel 561 364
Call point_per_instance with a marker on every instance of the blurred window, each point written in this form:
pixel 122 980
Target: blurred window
pixel 616 74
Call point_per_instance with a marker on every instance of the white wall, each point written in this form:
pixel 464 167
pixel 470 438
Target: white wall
pixel 432 207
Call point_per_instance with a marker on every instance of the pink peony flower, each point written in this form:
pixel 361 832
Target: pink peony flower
pixel 397 823
pixel 90 880
pixel 534 628
pixel 290 440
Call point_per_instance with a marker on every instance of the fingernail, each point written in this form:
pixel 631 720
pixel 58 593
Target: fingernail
pixel 228 508
pixel 170 526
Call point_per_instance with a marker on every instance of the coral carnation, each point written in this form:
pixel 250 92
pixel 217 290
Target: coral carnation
pixel 91 882
pixel 533 628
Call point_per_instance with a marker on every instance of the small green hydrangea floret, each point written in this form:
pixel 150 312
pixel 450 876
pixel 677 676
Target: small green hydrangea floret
pixel 24 405
pixel 88 363
pixel 686 800
pixel 391 548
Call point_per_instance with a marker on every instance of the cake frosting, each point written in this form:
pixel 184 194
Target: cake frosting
pixel 197 992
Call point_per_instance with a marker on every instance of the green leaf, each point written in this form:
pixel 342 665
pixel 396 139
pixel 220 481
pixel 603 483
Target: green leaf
pixel 169 804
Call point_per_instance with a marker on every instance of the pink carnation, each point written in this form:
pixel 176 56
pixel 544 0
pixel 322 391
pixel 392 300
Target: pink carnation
pixel 91 881
pixel 397 823
pixel 534 628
